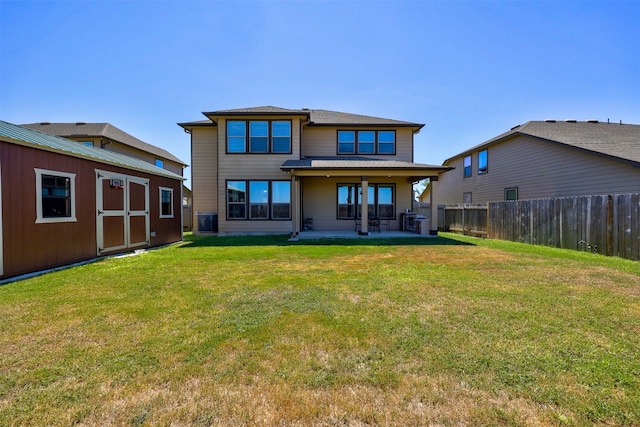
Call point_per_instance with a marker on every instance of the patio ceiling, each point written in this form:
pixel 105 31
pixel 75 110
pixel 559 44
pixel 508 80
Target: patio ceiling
pixel 360 166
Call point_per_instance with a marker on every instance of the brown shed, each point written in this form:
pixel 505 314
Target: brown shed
pixel 62 202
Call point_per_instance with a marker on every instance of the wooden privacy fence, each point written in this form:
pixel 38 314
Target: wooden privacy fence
pixel 466 219
pixel 606 224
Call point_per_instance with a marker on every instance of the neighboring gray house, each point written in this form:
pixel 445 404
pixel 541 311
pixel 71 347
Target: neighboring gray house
pixel 542 159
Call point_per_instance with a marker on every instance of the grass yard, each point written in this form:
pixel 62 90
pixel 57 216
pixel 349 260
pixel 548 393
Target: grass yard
pixel 243 331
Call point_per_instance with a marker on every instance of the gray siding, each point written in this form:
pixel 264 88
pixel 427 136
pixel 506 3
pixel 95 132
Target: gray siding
pixel 538 169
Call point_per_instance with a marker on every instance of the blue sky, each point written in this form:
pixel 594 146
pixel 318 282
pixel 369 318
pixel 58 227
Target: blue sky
pixel 469 70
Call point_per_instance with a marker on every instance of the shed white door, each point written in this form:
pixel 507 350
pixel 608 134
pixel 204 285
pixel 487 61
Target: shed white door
pixel 122 208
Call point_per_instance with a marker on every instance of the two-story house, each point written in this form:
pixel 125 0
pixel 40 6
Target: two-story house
pixel 545 159
pixel 278 170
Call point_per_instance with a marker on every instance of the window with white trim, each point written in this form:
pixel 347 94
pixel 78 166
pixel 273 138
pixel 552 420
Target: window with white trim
pixel 166 202
pixel 55 196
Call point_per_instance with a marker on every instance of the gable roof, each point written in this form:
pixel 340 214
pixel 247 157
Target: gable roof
pixel 336 118
pixel 315 117
pixel 19 135
pixel 618 141
pixel 106 130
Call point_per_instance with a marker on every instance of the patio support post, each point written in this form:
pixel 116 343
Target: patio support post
pixel 433 182
pixel 364 214
pixel 295 208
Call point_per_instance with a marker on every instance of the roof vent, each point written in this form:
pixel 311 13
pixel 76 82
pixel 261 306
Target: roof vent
pixel 592 121
pixel 45 123
pixel 305 108
pixel 515 127
pixel 571 121
pixel 81 123
pixel 550 120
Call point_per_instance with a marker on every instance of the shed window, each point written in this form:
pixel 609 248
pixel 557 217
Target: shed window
pixel 55 196
pixel 166 202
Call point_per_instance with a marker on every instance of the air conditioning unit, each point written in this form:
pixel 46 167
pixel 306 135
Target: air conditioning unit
pixel 207 222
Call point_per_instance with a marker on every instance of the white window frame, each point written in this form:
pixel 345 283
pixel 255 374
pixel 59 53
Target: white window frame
pixel 170 190
pixel 40 219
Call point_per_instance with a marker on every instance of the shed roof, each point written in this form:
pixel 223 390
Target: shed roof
pixel 107 130
pixel 15 134
pixel 619 141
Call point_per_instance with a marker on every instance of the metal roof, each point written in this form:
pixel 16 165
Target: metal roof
pixel 15 134
pixel 107 130
pixel 619 141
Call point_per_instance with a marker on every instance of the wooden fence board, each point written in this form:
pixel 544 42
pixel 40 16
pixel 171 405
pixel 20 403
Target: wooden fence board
pixel 607 224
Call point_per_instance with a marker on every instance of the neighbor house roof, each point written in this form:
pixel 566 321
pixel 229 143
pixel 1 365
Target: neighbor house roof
pixel 44 141
pixel 315 117
pixel 106 130
pixel 619 141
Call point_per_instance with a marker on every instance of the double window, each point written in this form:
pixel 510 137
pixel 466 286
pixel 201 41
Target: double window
pixel 55 196
pixel 483 164
pixel 366 142
pixel 259 136
pixel 380 198
pixel 258 200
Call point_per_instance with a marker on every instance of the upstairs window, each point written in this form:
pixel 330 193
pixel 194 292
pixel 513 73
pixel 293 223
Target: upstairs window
pixel 160 163
pixel 483 162
pixel 467 166
pixel 236 136
pixel 366 142
pixel 346 142
pixel 386 142
pixel 258 136
pixel 281 137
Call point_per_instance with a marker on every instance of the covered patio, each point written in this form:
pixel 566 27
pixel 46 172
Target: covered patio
pixel 320 180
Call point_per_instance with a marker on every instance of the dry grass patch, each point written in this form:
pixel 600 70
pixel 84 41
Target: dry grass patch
pixel 263 332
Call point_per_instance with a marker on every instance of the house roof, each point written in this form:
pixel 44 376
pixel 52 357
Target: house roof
pixel 315 117
pixel 619 141
pixel 106 130
pixel 336 118
pixel 341 162
pixel 44 141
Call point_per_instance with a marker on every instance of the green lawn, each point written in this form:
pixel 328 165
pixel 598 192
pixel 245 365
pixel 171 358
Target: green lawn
pixel 262 331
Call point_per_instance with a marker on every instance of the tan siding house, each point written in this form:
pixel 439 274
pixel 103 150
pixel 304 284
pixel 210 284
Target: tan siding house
pixel 277 170
pixel 546 159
